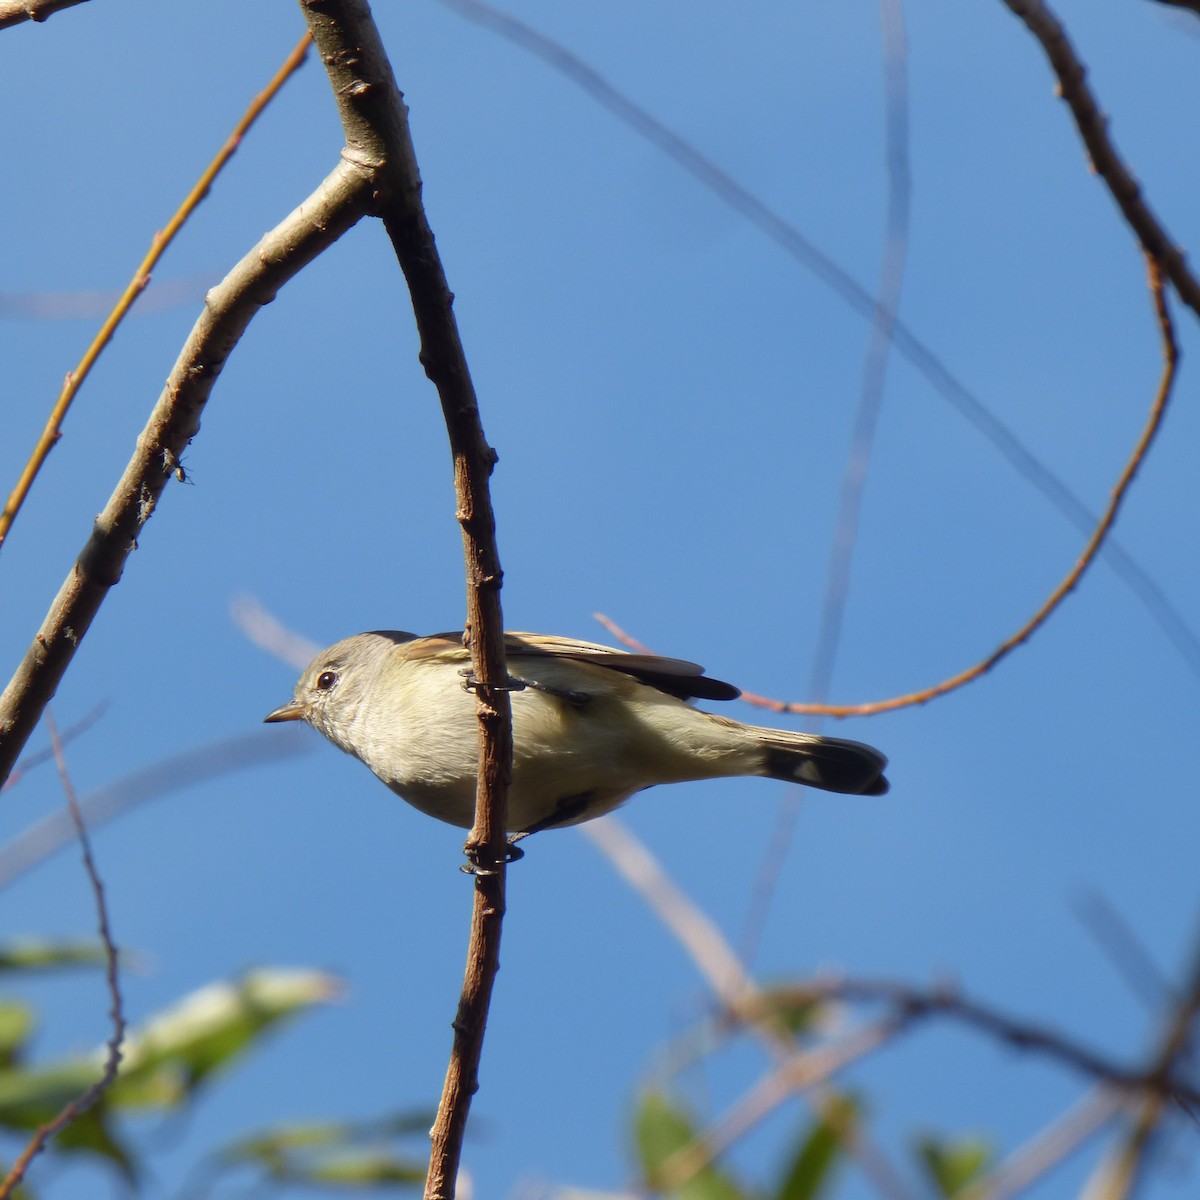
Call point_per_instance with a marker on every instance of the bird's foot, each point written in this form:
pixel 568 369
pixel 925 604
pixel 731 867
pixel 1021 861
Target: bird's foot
pixel 481 862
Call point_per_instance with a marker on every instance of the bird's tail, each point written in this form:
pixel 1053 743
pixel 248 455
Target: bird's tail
pixel 832 764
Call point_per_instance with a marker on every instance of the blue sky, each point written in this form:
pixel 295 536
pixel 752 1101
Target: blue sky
pixel 671 397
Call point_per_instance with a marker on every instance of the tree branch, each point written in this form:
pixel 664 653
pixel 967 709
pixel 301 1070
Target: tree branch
pixel 229 308
pixel 13 12
pixel 112 1057
pixel 911 1004
pixel 1093 129
pixel 52 431
pixel 375 120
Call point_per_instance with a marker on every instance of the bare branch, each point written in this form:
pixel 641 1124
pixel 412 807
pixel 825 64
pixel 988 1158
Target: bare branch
pixel 1093 129
pixel 332 209
pixel 910 1004
pixel 141 277
pixel 799 1073
pixel 1119 1176
pixel 377 135
pixel 1158 409
pixel 14 12
pixel 112 1060
pixel 1050 1146
pixel 739 995
pixel 793 243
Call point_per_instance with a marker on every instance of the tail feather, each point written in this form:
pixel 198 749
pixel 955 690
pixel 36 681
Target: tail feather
pixel 832 764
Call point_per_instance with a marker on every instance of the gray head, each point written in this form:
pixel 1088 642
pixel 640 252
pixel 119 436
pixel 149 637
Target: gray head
pixel 334 685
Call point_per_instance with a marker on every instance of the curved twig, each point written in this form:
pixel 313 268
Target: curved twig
pixel 1158 410
pixel 918 353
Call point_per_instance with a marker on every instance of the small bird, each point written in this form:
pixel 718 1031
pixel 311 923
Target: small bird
pixel 591 726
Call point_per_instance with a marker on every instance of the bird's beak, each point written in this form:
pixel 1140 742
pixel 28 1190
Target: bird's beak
pixel 292 711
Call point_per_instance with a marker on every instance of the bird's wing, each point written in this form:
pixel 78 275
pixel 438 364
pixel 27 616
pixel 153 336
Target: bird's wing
pixel 674 676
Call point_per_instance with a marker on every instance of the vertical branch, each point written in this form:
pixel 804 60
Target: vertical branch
pixel 375 120
pixel 112 1060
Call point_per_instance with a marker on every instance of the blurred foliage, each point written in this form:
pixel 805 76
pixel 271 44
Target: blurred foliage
pixel 952 1165
pixel 163 1061
pixel 339 1154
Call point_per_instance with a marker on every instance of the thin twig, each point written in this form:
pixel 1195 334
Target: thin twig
pixel 1119 1176
pixel 31 761
pixel 799 1073
pixel 229 308
pixel 1158 409
pixel 858 460
pixel 53 429
pixel 375 121
pixel 793 243
pixel 48 836
pixel 736 992
pixel 909 1004
pixel 1092 124
pixel 1048 1148
pixel 269 633
pixel 112 1060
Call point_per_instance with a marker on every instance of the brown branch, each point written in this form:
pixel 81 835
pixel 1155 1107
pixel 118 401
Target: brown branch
pixel 737 992
pixel 141 277
pixel 332 209
pixel 112 1061
pixel 1120 1177
pixel 375 120
pixel 14 12
pixel 1106 162
pixel 792 242
pixel 910 1004
pixel 799 1073
pixel 1158 409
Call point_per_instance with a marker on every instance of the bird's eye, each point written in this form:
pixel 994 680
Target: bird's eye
pixel 326 680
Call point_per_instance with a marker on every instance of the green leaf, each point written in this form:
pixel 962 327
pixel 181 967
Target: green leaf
pixel 16 1025
pixel 39 955
pixel 661 1130
pixel 169 1056
pixel 364 1169
pixel 952 1165
pixel 799 1013
pixel 92 1133
pixel 330 1154
pixel 817 1154
pixel 275 1143
pixel 30 1096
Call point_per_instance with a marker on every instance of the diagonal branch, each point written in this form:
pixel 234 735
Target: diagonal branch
pixel 375 121
pixel 229 308
pixel 52 431
pixel 1093 129
pixel 13 12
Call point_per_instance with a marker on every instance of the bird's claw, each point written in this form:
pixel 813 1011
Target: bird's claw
pixel 480 862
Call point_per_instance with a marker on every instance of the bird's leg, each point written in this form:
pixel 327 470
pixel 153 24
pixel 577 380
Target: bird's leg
pixel 480 861
pixel 579 699
pixel 471 684
pixel 565 811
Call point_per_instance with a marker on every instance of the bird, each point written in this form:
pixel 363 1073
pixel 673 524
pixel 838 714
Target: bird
pixel 592 726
